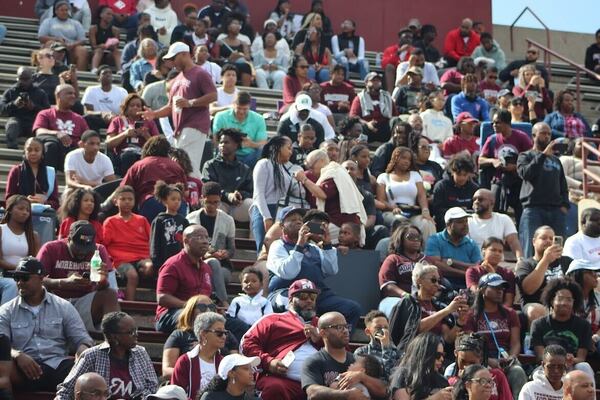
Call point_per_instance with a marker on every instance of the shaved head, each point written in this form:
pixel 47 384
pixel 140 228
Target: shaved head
pixel 90 383
pixel 578 386
pixel 331 318
pixel 483 203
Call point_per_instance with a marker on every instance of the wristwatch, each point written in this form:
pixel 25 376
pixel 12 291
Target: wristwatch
pixel 449 262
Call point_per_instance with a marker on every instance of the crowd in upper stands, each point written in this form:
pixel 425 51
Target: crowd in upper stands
pixel 436 166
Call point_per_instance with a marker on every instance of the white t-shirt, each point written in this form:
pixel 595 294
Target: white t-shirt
pixel 401 192
pixel 436 126
pixel 224 98
pixel 214 70
pixel 94 172
pixel 207 372
pixel 301 354
pixel 105 101
pixel 500 226
pixel 583 247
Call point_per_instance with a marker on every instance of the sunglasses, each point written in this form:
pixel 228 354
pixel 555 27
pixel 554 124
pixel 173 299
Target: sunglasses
pixel 217 332
pixel 439 355
pixel 531 52
pixel 484 381
pixel 303 66
pixel 204 307
pixel 413 237
pixel 21 277
pixel 307 296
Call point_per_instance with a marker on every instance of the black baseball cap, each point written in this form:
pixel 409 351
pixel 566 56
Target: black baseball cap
pixel 83 236
pixel 29 265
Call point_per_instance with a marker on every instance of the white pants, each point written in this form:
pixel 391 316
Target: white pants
pixel 276 76
pixel 192 141
pixel 239 213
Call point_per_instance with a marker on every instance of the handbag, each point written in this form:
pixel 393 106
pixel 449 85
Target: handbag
pixel 408 211
pixel 285 201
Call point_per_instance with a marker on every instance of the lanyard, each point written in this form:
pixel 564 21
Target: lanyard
pixel 487 321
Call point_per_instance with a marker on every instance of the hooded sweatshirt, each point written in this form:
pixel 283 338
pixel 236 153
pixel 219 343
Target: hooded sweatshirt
pixel 495 53
pixel 540 389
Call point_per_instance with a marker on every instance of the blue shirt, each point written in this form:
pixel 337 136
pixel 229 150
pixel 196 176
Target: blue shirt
pixel 439 245
pixel 478 108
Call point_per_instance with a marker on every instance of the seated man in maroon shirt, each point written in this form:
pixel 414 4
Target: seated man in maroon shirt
pixel 182 276
pixel 336 93
pixel 59 127
pixel 67 266
pixel 375 107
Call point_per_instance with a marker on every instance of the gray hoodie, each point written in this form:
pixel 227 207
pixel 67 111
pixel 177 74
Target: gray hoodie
pixel 540 389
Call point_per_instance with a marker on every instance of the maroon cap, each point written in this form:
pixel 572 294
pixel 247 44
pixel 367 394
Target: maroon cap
pixel 465 117
pixel 302 285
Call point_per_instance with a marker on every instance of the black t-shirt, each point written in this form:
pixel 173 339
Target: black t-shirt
pixel 186 340
pixel 321 369
pixel 225 396
pixel 573 334
pixel 5 348
pixel 208 223
pixel 400 378
pixel 525 267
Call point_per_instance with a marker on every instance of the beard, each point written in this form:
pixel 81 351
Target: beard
pixel 306 315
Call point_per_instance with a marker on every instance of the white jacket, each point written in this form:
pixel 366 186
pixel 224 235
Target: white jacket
pixel 540 389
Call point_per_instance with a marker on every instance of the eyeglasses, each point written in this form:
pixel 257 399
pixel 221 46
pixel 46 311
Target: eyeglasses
pixel 484 381
pixel 307 296
pixel 531 52
pixel 560 367
pixel 217 332
pixel 21 277
pixel 439 355
pixel 425 147
pixel 413 237
pixel 339 327
pixel 96 394
pixel 132 333
pixel 204 307
pixel 303 66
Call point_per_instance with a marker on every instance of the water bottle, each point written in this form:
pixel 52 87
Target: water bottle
pixel 527 344
pixel 378 60
pixel 95 267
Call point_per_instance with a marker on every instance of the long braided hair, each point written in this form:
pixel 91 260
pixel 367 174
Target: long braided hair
pixel 271 152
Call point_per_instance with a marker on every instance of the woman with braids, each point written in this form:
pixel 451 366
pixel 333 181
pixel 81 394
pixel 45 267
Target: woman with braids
pixel 417 377
pixel 233 379
pixel 17 240
pixel 273 180
pixel 361 155
pixel 118 359
pixel 500 327
pixel 469 349
pixel 475 383
pixel 155 165
pixel 583 272
pixel 564 299
pixel 349 128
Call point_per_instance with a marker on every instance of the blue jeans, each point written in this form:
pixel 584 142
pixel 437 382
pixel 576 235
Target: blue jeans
pixel 257 224
pixel 321 76
pixel 572 220
pixel 8 290
pixel 251 158
pixel 2 32
pixel 387 305
pixel 534 217
pixel 361 66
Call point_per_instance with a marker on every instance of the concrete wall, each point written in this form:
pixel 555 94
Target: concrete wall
pixel 569 44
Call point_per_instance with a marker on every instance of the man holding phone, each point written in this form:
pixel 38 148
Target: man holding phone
pixel 544 192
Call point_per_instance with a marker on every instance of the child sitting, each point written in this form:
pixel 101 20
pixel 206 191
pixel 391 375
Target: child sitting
pixel 166 238
pixel 249 307
pixel 304 145
pixel 349 237
pixel 366 364
pixel 81 204
pixel 127 237
pixel 194 185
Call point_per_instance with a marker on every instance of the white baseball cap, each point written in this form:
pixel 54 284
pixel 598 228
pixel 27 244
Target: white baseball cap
pixel 581 264
pixel 303 102
pixel 235 360
pixel 168 392
pixel 455 213
pixel 176 48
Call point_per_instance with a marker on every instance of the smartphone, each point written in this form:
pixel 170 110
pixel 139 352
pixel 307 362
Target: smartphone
pixel 24 96
pixel 560 148
pixel 138 124
pixel 315 227
pixel 288 359
pixel 558 240
pixel 379 333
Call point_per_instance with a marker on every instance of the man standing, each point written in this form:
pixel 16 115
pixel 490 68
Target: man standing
pixel 578 386
pixel 547 382
pixel 190 94
pixel 41 326
pixel 460 42
pixel 59 128
pixel 103 102
pixel 375 108
pixel 331 364
pixel 67 265
pixel 21 103
pixel 283 342
pixel 249 122
pixel 544 193
pixel 585 244
pixel 487 223
pixel 451 250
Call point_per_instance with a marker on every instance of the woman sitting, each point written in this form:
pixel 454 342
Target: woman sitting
pixel 127 134
pixel 104 40
pixel 196 368
pixel 401 135
pixel 361 155
pixel 475 383
pixel 532 89
pixel 231 49
pixel 297 76
pixel 402 193
pixel 317 55
pixel 80 204
pixel 564 121
pixel 146 62
pixel 421 312
pixel 118 358
pixel 235 377
pixel 270 65
pixel 430 170
pixel 183 339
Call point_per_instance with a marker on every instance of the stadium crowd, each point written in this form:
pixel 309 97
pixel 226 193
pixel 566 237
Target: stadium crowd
pixel 439 165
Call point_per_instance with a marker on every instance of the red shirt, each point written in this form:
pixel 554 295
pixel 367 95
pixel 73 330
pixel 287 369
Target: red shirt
pixel 501 325
pixel 397 269
pixel 456 144
pixel 142 176
pixel 391 56
pixel 120 385
pixel 191 84
pixel 58 264
pixel 332 205
pixel 127 241
pixel 179 277
pixel 455 46
pixel 120 124
pixel 126 7
pixel 291 87
pixel 65 226
pixel 194 187
pixel 473 274
pixel 65 121
pixel 331 95
pixel 451 76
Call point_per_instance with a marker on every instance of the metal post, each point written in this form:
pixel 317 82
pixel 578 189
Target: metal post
pixel 578 93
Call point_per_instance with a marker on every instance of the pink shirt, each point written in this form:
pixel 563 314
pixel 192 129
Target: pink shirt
pixel 69 122
pixel 120 124
pixel 192 84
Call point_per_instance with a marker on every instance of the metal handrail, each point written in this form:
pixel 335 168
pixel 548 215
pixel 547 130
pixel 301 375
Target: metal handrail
pixel 512 26
pixel 586 172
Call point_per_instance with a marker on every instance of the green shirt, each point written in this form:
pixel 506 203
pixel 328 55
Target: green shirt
pixel 253 126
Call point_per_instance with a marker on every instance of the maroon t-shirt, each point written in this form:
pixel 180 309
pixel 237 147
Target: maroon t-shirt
pixel 120 124
pixel 69 122
pixel 332 205
pixel 182 279
pixel 501 324
pixel 332 95
pixel 427 309
pixel 58 264
pixel 121 385
pixel 456 144
pixel 142 176
pixel 397 269
pixel 473 275
pixel 192 84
